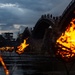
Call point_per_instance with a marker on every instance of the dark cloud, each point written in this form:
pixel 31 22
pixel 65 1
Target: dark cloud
pixel 27 12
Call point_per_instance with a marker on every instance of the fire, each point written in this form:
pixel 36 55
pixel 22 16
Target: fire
pixel 6 48
pixel 22 47
pixel 66 42
pixel 20 50
pixel 4 66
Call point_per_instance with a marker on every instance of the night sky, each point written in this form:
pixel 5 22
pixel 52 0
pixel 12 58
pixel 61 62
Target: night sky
pixel 15 15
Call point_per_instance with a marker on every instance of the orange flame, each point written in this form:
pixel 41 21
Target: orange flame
pixel 22 47
pixel 3 64
pixel 7 48
pixel 66 42
pixel 20 50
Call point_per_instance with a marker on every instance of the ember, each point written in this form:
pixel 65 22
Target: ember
pixel 66 42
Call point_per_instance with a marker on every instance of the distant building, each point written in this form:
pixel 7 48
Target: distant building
pixel 8 36
pixel 2 41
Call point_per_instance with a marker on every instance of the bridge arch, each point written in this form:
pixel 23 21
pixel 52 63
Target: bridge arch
pixel 40 27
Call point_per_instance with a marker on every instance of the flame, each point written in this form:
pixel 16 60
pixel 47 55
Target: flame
pixel 7 48
pixel 22 47
pixel 66 42
pixel 20 50
pixel 4 66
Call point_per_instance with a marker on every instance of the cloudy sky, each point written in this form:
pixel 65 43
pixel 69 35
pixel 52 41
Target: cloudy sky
pixel 15 15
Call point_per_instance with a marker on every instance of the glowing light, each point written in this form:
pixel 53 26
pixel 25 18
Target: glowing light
pixel 20 50
pixel 66 42
pixel 4 66
pixel 22 47
pixel 6 48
